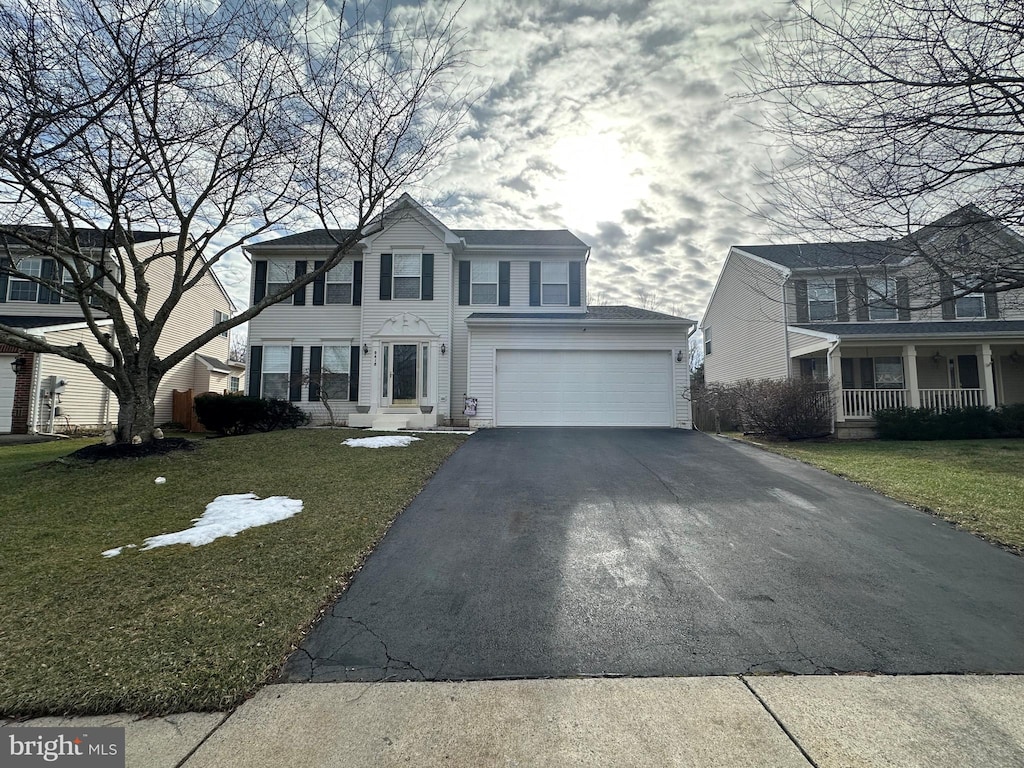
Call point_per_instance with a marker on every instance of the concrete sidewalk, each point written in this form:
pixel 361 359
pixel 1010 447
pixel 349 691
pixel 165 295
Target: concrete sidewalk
pixel 935 721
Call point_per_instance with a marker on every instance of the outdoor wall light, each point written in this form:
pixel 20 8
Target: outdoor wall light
pixel 679 356
pixel 18 365
pixel 366 349
pixel 1014 357
pixel 444 348
pixel 936 358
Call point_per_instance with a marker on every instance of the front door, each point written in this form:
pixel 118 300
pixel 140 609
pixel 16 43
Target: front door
pixel 403 377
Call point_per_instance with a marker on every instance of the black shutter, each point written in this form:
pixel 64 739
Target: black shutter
pixel 903 298
pixel 353 374
pixel 385 276
pixel 254 369
pixel 463 283
pixel 97 273
pixel 58 277
pixel 860 298
pixel 802 315
pixel 427 288
pixel 992 306
pixel 842 300
pixel 574 283
pixel 946 295
pixel 534 283
pixel 299 297
pixel 357 283
pixel 48 272
pixel 504 283
pixel 867 373
pixel 295 380
pixel 846 367
pixel 259 290
pixel 319 285
pixel 4 266
pixel 315 358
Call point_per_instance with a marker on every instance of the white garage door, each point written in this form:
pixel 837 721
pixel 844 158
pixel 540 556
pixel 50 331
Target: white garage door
pixel 537 388
pixel 6 392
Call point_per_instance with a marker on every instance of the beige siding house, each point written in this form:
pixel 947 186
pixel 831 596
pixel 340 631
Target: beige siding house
pixel 44 393
pixel 424 325
pixel 884 324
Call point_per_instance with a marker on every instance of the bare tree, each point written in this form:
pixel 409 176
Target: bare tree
pixel 648 299
pixel 890 113
pixel 210 122
pixel 238 350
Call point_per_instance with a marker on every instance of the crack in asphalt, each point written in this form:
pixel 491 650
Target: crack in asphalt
pixel 391 662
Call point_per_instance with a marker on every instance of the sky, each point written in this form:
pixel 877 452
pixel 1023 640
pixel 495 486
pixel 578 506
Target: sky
pixel 613 119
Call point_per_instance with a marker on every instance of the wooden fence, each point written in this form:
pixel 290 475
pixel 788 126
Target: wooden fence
pixel 183 411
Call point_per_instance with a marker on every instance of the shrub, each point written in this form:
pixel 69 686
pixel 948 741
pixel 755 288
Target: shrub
pixel 790 408
pixel 241 414
pixel 971 423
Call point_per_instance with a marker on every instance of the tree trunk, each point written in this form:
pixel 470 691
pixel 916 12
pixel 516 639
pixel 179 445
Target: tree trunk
pixel 136 411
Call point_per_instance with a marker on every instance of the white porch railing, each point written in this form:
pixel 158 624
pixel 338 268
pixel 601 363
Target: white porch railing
pixel 944 399
pixel 861 403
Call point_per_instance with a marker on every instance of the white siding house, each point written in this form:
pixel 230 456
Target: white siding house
pixel 448 326
pixel 27 402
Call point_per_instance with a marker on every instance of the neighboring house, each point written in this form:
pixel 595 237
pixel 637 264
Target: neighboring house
pixel 27 401
pixel 424 325
pixel 840 313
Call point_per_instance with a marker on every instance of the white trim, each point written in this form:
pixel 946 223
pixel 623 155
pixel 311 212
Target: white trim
pixel 76 326
pixel 784 271
pixel 809 332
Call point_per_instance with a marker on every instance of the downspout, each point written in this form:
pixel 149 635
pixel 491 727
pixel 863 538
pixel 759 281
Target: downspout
pixel 785 324
pixel 33 396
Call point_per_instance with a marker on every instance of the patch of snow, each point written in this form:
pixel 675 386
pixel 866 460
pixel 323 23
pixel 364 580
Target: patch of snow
pixel 116 550
pixel 160 480
pixel 384 441
pixel 225 516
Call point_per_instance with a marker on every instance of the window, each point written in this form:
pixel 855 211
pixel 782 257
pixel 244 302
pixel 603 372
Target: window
pixel 220 317
pixel 554 283
pixel 882 299
pixel 407 275
pixel 276 376
pixel 25 290
pixel 334 373
pixel 424 355
pixel 234 383
pixel 888 373
pixel 339 284
pixel 973 304
pixel 821 300
pixel 279 274
pixel 707 342
pixel 484 282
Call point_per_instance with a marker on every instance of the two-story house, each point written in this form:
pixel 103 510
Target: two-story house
pixel 423 325
pixel 28 402
pixel 886 323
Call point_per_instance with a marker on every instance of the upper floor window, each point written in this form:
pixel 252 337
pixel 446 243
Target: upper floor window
pixel 973 304
pixel 821 300
pixel 882 299
pixel 218 318
pixel 407 275
pixel 484 282
pixel 279 274
pixel 339 284
pixel 554 283
pixel 20 289
pixel 707 342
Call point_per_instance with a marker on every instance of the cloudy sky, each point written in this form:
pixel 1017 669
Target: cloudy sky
pixel 613 119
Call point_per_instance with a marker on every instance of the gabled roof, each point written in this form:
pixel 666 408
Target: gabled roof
pixel 89 238
pixel 829 255
pixel 618 313
pixel 535 238
pixel 926 328
pixel 213 364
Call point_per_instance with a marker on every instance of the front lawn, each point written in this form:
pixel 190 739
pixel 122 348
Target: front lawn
pixel 180 628
pixel 977 484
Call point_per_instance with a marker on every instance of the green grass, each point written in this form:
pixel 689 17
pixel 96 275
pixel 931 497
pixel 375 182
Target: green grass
pixel 180 628
pixel 977 484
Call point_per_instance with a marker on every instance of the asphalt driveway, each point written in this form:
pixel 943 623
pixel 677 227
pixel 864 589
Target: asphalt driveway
pixel 569 552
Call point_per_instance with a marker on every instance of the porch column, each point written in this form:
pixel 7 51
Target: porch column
pixel 987 373
pixel 910 375
pixel 835 381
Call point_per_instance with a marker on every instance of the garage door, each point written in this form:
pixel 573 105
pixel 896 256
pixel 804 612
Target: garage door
pixel 555 388
pixel 6 392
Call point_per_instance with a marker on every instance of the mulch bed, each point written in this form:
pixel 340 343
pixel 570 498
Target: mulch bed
pixel 101 451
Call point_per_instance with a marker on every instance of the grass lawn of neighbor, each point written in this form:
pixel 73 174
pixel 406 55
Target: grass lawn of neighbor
pixel 977 484
pixel 181 628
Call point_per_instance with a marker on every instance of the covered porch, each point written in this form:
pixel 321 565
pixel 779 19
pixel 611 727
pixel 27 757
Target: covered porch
pixel 865 377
